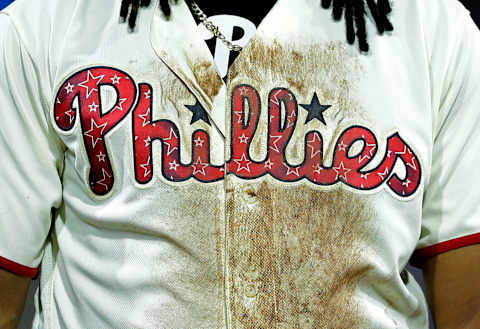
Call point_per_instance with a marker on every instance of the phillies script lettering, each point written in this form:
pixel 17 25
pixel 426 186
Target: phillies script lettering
pixel 346 168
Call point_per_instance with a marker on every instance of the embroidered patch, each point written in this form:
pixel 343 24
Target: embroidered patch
pixel 348 167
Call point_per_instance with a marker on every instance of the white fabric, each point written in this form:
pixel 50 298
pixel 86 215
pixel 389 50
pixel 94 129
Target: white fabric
pixel 237 251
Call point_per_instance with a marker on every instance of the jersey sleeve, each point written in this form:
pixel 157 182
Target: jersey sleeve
pixel 31 156
pixel 451 207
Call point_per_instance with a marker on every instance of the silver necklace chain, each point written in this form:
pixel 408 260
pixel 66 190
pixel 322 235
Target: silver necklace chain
pixel 211 27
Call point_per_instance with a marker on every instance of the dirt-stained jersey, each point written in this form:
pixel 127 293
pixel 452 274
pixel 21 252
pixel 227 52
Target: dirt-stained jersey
pixel 291 196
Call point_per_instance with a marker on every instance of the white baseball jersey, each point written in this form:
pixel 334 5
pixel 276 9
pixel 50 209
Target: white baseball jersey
pixel 152 194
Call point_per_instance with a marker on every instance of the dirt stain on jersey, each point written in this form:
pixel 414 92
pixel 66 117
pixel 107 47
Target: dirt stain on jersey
pixel 326 69
pixel 321 67
pixel 296 255
pixel 207 78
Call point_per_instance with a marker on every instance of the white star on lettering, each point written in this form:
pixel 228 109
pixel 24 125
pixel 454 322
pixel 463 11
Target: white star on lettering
pixel 120 104
pixel 69 88
pixel 373 147
pixel 89 87
pixel 361 158
pixel 342 171
pixel 342 146
pixel 147 141
pixel 101 157
pixel 318 168
pixel 407 182
pixel 170 149
pixel 148 94
pixel 364 176
pixel 200 164
pixel 389 153
pixel 239 114
pixel 412 165
pixel 316 137
pixel 408 153
pixel 173 165
pixel 94 126
pixel 198 142
pixel 269 164
pixel 274 97
pixel 291 171
pixel 71 115
pixel 145 117
pixel 243 139
pixel 243 163
pixel 275 146
pixel 404 150
pixel 146 169
pixel 58 101
pixel 384 174
pixel 291 120
pixel 102 181
pixel 93 107
pixel 243 91
pixel 115 80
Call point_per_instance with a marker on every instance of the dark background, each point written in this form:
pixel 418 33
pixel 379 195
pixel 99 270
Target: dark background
pixel 472 5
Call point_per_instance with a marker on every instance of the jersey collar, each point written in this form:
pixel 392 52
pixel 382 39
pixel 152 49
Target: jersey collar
pixel 177 43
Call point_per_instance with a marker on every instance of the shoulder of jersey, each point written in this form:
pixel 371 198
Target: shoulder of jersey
pixel 431 11
pixel 35 21
pixel 49 23
pixel 36 12
pixel 58 15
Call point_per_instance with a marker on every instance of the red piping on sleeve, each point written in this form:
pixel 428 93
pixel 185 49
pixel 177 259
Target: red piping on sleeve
pixel 445 246
pixel 19 269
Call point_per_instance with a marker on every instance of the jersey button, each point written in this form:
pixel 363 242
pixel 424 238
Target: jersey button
pixel 251 282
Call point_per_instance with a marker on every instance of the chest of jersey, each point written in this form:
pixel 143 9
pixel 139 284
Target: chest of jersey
pixel 272 186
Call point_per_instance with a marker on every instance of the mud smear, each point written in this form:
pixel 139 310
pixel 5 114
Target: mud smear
pixel 325 68
pixel 207 78
pixel 296 255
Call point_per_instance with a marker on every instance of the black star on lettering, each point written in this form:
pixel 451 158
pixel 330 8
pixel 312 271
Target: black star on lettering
pixel 199 113
pixel 315 110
